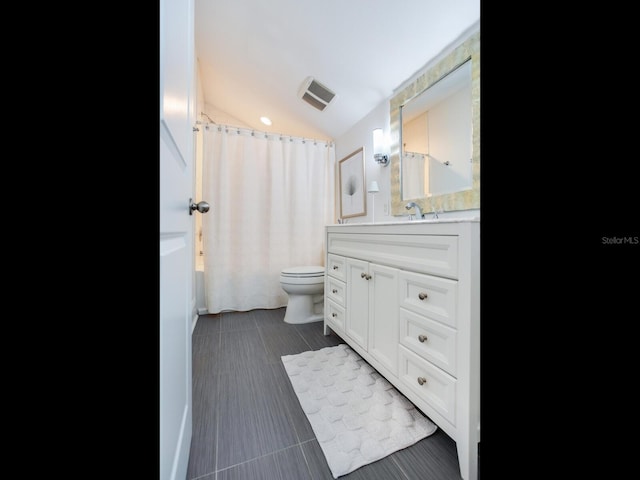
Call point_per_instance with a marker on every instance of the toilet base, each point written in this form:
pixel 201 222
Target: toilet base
pixel 300 309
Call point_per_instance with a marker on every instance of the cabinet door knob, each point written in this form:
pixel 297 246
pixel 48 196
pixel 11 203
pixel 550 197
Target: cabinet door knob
pixel 422 380
pixel 422 295
pixel 335 267
pixel 334 290
pixel 422 338
pixel 362 275
pixel 334 315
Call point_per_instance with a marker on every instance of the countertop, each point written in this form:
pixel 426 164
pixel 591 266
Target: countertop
pixel 406 222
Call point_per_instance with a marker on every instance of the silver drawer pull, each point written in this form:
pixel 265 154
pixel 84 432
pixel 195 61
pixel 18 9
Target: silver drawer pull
pixel 334 290
pixel 422 296
pixel 422 380
pixel 422 338
pixel 334 315
pixel 335 267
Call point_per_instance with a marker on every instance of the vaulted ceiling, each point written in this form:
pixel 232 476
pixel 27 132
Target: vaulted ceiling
pixel 254 55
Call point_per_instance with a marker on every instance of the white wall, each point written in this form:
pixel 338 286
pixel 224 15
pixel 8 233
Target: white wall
pixel 361 135
pixel 221 117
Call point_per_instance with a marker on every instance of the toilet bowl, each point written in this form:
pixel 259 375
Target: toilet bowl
pixel 305 288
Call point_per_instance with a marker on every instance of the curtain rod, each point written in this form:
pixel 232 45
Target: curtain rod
pixel 281 136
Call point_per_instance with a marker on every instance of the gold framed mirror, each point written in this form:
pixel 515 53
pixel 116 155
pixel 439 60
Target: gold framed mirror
pixel 468 199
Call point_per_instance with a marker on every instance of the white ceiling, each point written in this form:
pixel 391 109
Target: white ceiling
pixel 254 55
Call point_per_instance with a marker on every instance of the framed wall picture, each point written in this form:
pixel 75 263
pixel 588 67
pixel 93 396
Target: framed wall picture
pixel 352 193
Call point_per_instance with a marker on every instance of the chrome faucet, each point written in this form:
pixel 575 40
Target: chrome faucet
pixel 419 214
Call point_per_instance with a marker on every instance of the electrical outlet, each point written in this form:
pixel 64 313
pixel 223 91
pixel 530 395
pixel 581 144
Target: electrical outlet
pixel 386 208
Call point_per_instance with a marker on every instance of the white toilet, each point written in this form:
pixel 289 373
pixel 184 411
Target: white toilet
pixel 305 287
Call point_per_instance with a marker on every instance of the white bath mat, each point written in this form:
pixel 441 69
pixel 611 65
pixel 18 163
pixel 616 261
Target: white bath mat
pixel 358 417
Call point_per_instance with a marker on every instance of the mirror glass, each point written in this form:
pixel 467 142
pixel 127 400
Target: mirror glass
pixel 445 173
pixel 436 137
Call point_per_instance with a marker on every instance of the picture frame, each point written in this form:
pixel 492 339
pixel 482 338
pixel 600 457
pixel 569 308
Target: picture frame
pixel 352 185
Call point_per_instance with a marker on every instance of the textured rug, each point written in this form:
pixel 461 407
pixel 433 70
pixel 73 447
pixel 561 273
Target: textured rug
pixel 358 417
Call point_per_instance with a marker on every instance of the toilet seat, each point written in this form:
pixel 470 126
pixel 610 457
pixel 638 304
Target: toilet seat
pixel 303 272
pixel 306 275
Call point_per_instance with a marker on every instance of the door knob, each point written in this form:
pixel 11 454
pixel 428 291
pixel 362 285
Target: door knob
pixel 202 207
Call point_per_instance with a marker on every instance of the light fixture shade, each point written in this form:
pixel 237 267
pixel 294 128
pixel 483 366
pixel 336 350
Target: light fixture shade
pixel 378 141
pixel 379 147
pixel 373 187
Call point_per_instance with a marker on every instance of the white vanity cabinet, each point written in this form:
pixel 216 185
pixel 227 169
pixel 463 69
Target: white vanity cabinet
pixel 405 296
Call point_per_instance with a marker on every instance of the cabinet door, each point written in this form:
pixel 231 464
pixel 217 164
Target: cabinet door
pixel 383 308
pixel 357 317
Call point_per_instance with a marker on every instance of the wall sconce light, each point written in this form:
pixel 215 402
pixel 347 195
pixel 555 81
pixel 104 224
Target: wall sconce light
pixel 379 147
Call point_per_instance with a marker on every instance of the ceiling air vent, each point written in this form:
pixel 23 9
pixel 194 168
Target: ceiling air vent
pixel 316 94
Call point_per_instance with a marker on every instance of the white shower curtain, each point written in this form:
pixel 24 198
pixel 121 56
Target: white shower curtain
pixel 414 176
pixel 271 197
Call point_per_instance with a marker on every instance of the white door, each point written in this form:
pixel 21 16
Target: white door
pixel 177 100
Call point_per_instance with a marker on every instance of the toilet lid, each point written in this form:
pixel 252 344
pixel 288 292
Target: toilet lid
pixel 306 271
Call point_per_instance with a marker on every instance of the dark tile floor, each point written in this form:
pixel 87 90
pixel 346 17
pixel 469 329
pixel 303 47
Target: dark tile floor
pixel 247 422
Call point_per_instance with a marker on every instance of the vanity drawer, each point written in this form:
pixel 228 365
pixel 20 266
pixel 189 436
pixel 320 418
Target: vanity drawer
pixel 430 296
pixel 336 267
pixel 430 383
pixel 335 315
pixel 434 254
pixel 336 290
pixel 431 340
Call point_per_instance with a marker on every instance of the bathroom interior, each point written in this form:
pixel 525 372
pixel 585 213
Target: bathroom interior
pixel 415 173
pixel 415 157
